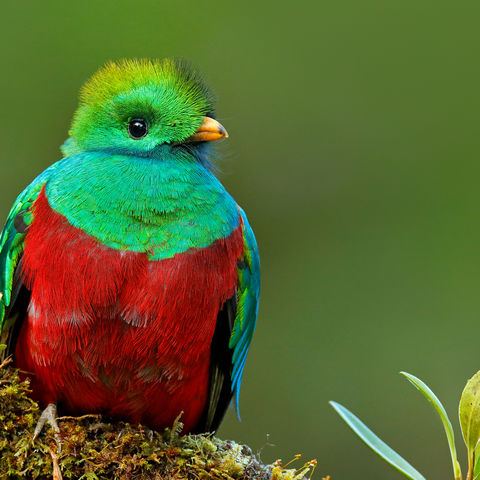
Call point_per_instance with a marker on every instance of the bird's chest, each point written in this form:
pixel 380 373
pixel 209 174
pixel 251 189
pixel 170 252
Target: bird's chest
pixel 116 319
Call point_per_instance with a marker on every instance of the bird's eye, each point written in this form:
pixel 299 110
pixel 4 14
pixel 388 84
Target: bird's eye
pixel 137 128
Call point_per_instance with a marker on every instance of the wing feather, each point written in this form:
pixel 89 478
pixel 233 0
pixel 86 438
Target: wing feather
pixel 247 307
pixel 11 249
pixel 235 326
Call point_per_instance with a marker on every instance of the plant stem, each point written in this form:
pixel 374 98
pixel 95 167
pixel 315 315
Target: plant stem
pixel 471 465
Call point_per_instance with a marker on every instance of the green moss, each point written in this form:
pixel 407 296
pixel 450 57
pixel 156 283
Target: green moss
pixel 93 449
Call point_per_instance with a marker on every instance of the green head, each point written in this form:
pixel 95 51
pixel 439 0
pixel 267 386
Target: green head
pixel 135 106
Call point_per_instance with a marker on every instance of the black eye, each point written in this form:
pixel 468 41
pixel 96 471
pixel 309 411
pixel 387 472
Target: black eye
pixel 137 128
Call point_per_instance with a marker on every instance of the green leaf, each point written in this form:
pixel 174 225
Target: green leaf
pixel 476 470
pixel 376 444
pixel 469 414
pixel 447 425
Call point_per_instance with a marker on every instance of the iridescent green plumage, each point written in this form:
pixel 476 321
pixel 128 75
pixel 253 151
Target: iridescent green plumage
pixel 192 208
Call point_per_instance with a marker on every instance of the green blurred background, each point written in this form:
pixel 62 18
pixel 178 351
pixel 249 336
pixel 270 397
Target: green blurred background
pixel 354 150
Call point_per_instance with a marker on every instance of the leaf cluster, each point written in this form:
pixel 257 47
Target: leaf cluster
pixel 469 417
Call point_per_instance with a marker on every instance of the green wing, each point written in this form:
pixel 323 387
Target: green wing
pixel 233 334
pixel 11 248
pixel 247 306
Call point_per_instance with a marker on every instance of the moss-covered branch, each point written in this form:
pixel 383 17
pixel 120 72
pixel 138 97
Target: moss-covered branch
pixel 92 448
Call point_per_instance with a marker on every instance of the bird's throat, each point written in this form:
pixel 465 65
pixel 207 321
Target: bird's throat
pixel 162 206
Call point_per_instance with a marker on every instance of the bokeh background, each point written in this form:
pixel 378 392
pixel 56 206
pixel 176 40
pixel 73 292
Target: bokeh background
pixel 354 142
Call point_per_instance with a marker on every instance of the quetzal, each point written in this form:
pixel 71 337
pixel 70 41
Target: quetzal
pixel 129 277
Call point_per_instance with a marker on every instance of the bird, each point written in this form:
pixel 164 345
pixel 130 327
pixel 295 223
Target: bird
pixel 129 276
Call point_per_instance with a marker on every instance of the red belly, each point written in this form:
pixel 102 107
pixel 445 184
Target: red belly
pixel 114 332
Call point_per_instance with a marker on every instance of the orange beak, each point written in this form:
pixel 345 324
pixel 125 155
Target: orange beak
pixel 210 130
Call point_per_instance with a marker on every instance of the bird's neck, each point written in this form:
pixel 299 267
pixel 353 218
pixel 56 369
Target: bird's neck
pixel 162 205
